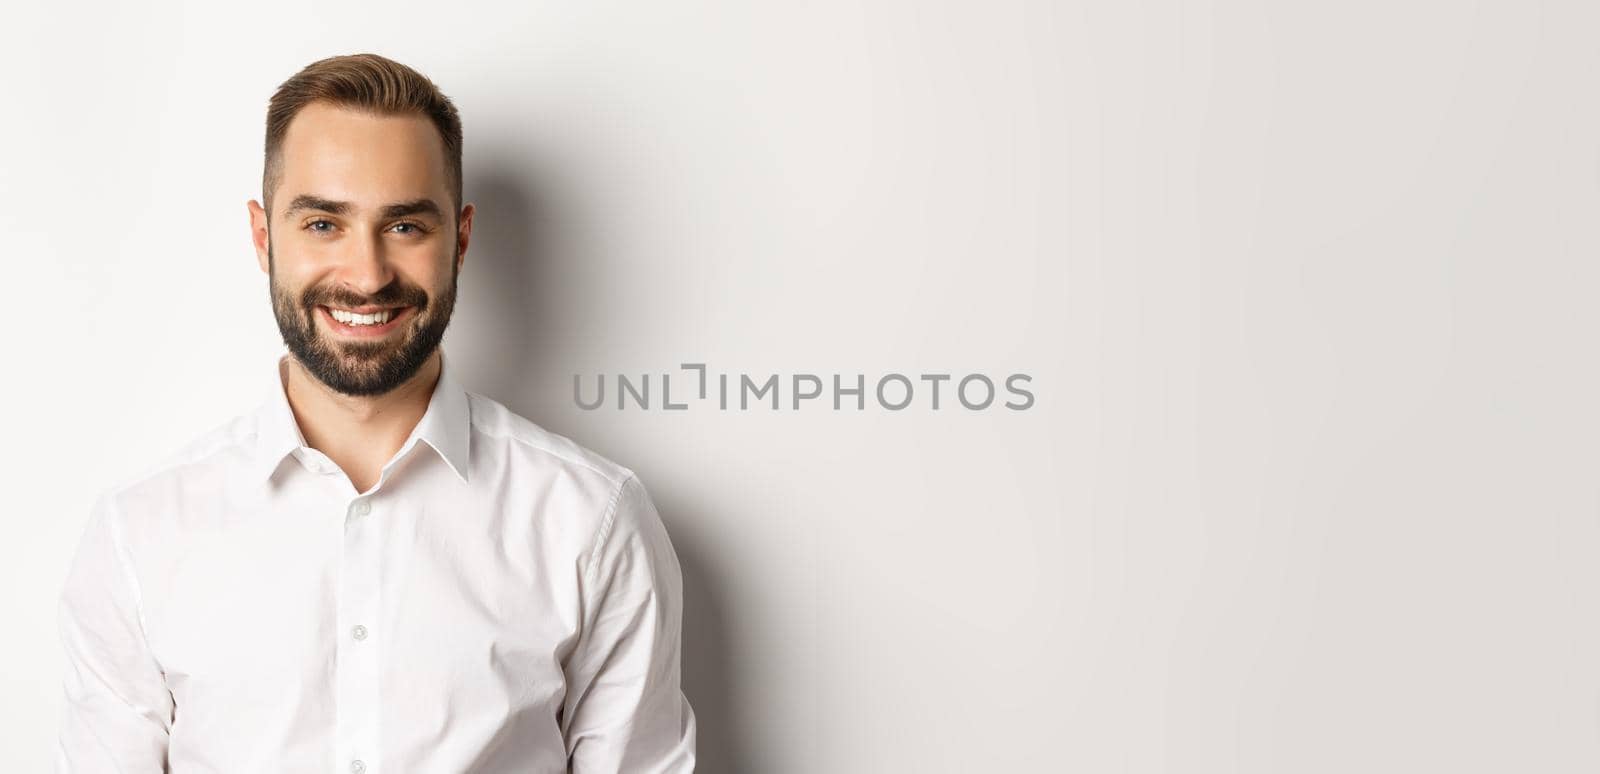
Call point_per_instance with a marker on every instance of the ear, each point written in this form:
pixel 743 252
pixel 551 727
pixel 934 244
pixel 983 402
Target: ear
pixel 258 233
pixel 464 234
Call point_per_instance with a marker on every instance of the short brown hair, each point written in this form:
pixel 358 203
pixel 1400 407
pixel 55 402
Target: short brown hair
pixel 365 82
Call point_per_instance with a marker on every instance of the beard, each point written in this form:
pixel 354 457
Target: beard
pixel 353 366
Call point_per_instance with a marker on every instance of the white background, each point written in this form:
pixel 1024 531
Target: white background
pixel 1308 293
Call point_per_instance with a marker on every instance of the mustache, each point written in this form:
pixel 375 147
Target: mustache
pixel 415 298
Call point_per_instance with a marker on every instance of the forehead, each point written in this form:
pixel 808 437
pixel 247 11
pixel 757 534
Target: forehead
pixel 367 159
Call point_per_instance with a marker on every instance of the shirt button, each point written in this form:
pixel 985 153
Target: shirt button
pixel 359 632
pixel 357 766
pixel 362 508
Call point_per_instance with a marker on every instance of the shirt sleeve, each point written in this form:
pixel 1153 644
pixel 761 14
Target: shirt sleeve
pixel 625 710
pixel 118 712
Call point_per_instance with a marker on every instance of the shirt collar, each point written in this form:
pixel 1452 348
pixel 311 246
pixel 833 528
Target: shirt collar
pixel 446 425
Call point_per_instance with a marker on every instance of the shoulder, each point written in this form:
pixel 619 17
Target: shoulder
pixel 139 504
pixel 186 467
pixel 532 453
pixel 534 443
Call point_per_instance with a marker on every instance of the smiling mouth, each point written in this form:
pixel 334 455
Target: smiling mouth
pixel 369 325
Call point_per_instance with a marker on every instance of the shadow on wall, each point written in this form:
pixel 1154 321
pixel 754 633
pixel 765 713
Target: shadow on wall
pixel 513 317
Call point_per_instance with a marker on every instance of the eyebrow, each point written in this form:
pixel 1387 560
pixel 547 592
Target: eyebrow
pixel 395 210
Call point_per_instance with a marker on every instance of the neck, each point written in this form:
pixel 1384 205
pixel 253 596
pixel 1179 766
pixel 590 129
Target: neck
pixel 358 432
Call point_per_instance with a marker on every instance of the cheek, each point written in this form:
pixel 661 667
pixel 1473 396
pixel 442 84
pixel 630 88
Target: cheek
pixel 289 288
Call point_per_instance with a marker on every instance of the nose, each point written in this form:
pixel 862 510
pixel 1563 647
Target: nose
pixel 365 268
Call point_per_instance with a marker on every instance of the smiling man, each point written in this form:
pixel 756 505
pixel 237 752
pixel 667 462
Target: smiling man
pixel 375 570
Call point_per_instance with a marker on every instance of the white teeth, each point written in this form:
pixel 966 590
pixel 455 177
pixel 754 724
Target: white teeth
pixel 376 318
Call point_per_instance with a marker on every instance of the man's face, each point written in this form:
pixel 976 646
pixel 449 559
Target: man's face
pixel 361 221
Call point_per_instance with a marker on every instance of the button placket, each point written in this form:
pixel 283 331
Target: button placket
pixel 356 655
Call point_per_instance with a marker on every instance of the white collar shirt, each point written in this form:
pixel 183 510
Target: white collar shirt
pixel 501 600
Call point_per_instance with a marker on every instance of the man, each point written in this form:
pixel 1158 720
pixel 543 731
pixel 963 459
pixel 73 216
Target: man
pixel 375 571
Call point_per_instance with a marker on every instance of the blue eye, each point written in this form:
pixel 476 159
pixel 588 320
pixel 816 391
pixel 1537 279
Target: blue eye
pixel 413 229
